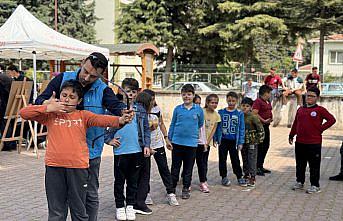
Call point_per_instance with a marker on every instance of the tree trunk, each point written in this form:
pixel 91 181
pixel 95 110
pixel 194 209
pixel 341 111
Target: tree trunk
pixel 166 76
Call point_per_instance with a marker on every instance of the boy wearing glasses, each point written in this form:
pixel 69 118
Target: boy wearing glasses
pixel 98 98
pixel 308 126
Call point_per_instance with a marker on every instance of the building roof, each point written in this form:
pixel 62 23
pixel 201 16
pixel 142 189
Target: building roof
pixel 330 38
pixel 307 67
pixel 131 49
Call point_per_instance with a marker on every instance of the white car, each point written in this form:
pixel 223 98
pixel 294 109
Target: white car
pixel 198 86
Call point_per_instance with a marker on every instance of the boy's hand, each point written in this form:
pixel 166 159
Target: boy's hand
pixel 56 107
pixel 115 142
pixel 290 140
pixel 169 145
pixel 152 151
pixel 239 147
pixel 125 118
pixel 51 99
pixel 268 121
pixel 146 152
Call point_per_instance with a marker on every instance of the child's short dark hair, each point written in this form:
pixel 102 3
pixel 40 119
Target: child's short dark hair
pixel 232 94
pixel 196 96
pixel 187 88
pixel 12 68
pixel 314 68
pixel 75 85
pixel 247 100
pixel 130 83
pixel 315 90
pixel 144 99
pixel 264 89
pixel 151 92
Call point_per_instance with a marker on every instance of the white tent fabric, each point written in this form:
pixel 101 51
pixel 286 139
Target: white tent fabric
pixel 22 34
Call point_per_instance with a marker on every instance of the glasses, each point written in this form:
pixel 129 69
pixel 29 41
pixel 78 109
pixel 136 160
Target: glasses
pixel 96 62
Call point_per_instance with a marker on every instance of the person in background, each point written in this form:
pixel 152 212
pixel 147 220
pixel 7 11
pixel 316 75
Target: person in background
pixel 293 85
pixel 159 134
pixel 248 90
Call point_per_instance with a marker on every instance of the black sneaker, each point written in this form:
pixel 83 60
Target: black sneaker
pixel 144 210
pixel 186 193
pixel 265 170
pixel 259 172
pixel 338 177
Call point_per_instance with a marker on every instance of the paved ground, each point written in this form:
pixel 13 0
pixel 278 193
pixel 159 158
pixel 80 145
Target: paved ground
pixel 22 194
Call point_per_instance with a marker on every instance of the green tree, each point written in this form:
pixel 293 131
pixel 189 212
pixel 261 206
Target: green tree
pixel 245 25
pixel 323 17
pixel 6 9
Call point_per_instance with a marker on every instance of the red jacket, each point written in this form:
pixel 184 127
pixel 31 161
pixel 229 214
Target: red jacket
pixel 308 124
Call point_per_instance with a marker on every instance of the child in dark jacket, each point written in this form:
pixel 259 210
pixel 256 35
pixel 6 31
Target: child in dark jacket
pixel 230 136
pixel 254 134
pixel 308 127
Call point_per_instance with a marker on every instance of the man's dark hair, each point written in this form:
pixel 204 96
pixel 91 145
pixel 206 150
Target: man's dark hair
pixel 144 99
pixel 187 88
pixel 247 100
pixel 264 89
pixel 232 94
pixel 98 60
pixel 151 92
pixel 295 70
pixel 314 68
pixel 75 85
pixel 12 68
pixel 273 68
pixel 130 83
pixel 315 90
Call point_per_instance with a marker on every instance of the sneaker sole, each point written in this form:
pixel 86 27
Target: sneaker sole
pixel 142 212
pixel 313 192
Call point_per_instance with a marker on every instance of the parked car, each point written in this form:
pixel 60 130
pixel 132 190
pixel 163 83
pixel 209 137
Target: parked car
pixel 198 86
pixel 332 89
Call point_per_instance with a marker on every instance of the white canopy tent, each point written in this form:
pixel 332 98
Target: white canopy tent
pixel 23 36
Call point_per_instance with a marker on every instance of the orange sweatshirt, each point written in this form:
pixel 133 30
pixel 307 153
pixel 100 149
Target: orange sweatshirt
pixel 67 146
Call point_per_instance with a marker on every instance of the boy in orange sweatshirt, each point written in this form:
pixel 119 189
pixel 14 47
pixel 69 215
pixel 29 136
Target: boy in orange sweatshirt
pixel 67 156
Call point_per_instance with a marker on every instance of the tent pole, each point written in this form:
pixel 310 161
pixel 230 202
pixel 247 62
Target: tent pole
pixel 35 92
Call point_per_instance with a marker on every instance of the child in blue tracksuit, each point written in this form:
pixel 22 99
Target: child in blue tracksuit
pixel 131 144
pixel 183 133
pixel 230 136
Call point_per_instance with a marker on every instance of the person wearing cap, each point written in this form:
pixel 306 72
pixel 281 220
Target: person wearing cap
pixel 98 98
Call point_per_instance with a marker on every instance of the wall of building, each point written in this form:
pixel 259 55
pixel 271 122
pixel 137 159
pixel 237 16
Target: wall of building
pixel 104 27
pixel 168 100
pixel 332 69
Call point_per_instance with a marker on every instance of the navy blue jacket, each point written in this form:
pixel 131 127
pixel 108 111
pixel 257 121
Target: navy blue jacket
pixel 109 99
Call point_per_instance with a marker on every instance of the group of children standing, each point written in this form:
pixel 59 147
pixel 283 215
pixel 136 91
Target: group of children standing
pixel 192 133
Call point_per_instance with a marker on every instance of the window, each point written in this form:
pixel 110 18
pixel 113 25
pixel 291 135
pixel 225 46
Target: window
pixel 335 87
pixel 129 74
pixel 336 57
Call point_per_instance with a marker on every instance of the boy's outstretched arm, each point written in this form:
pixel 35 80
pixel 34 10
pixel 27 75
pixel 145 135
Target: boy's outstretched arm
pixel 97 120
pixel 35 112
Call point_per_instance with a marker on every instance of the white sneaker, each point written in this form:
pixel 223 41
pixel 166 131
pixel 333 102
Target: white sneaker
pixel 130 213
pixel 171 198
pixel 313 189
pixel 121 213
pixel 298 186
pixel 148 200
